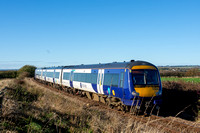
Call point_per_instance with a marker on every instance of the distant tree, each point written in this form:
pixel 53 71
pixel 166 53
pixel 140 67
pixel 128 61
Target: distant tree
pixel 193 72
pixel 168 73
pixel 26 71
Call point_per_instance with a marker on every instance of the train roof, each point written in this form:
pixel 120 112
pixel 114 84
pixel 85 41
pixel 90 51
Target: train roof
pixel 119 65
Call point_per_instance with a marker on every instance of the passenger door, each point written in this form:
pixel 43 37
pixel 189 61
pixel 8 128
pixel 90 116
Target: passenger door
pixel 100 80
pixel 71 78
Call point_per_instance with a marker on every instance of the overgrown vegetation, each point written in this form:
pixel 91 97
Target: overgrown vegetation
pixel 29 107
pixel 174 72
pixel 25 71
pixel 181 96
pixel 8 74
pixel 19 113
pixel 182 79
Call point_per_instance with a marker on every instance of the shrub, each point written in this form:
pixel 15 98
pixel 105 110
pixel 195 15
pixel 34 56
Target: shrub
pixel 8 74
pixel 181 85
pixel 26 71
pixel 180 96
pixel 171 73
pixel 192 72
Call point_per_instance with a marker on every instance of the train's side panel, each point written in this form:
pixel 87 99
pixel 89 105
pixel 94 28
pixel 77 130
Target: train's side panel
pixel 82 85
pixel 75 77
pixel 50 75
pixel 94 85
pixel 66 77
pixel 38 73
pixel 43 75
pixel 128 89
pixel 57 76
pixel 113 87
pixel 114 82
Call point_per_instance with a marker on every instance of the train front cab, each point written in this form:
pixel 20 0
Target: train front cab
pixel 146 83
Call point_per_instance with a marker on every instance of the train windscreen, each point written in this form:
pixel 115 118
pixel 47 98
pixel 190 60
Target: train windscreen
pixel 145 77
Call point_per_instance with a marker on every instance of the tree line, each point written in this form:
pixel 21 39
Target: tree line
pixel 189 73
pixel 25 71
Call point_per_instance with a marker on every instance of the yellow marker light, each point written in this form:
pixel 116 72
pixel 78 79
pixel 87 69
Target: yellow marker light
pixel 144 67
pixel 113 92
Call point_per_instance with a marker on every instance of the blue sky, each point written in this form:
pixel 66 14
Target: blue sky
pixel 72 32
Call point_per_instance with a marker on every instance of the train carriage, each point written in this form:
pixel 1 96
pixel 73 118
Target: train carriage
pixel 128 83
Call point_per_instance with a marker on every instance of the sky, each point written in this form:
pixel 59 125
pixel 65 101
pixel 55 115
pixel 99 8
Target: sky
pixel 47 33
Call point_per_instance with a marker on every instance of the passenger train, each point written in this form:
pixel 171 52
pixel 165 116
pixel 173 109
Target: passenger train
pixel 122 85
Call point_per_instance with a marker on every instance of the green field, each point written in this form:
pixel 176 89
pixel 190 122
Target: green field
pixel 186 79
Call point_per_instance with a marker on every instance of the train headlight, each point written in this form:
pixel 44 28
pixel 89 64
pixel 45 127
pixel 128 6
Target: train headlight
pixel 135 94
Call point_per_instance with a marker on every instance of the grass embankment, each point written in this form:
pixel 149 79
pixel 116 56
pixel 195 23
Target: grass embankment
pixel 26 108
pixel 25 71
pixel 183 98
pixel 8 74
pixel 29 107
pixel 184 79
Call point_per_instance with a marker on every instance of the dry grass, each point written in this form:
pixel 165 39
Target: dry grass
pixel 5 82
pixel 100 120
pixel 181 85
pixel 83 115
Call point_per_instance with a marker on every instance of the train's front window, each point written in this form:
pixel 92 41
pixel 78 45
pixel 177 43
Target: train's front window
pixel 145 77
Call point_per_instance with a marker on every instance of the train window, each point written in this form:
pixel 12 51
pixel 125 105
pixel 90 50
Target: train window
pixel 80 77
pixel 107 79
pixel 115 80
pixel 122 80
pixel 145 77
pixel 38 73
pixel 66 76
pixel 111 79
pixel 43 73
pixel 86 77
pixel 75 76
pixel 49 74
pixel 57 74
pixel 94 78
pixel 46 74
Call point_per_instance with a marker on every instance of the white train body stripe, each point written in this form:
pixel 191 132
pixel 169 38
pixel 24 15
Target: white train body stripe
pixel 67 70
pixel 83 71
pixel 83 86
pixel 100 80
pixel 49 79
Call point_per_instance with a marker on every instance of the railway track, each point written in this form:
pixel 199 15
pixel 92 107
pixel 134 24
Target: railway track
pixel 162 124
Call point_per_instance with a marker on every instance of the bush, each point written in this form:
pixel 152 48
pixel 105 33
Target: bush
pixel 172 74
pixel 180 96
pixel 26 71
pixel 192 72
pixel 8 74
